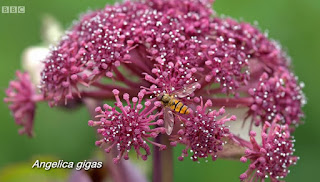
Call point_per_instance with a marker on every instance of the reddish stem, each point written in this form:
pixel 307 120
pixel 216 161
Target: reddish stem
pixel 156 163
pixel 107 87
pixel 98 95
pixel 163 161
pixel 104 94
pixel 231 102
pixel 122 78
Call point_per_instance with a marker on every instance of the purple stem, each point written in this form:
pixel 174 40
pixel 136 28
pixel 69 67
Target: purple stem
pixel 167 160
pixel 103 94
pixel 156 162
pixel 107 87
pixel 231 102
pixel 97 95
pixel 122 78
pixel 140 62
pixel 163 161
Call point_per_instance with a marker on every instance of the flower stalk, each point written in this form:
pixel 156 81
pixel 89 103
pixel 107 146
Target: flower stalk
pixel 163 162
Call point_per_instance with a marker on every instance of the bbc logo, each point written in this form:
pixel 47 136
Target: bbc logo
pixel 13 9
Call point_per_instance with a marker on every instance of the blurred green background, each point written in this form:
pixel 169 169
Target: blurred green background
pixel 65 135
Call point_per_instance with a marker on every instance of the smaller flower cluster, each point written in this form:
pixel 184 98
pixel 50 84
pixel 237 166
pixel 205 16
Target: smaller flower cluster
pixel 63 71
pixel 203 132
pixel 273 157
pixel 277 95
pixel 106 39
pixel 248 39
pixel 87 52
pixel 227 58
pixel 22 97
pixel 131 127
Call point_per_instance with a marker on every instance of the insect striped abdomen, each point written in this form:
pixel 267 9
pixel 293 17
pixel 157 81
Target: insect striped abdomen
pixel 178 106
pixel 184 110
pixel 172 104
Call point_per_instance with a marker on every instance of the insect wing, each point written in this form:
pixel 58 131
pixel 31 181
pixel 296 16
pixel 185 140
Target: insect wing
pixel 168 120
pixel 189 89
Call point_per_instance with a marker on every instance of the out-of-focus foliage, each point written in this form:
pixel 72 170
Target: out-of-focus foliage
pixel 23 172
pixel 65 134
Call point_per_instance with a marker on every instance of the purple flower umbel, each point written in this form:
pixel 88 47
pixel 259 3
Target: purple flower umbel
pixel 22 97
pixel 203 133
pixel 273 157
pixel 128 128
pixel 183 68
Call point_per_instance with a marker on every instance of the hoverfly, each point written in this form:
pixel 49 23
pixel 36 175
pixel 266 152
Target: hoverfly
pixel 172 103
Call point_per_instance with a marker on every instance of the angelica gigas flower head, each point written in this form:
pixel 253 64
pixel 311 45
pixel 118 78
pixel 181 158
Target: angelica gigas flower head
pixel 21 96
pixel 215 67
pixel 128 128
pixel 272 158
pixel 163 48
pixel 203 132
